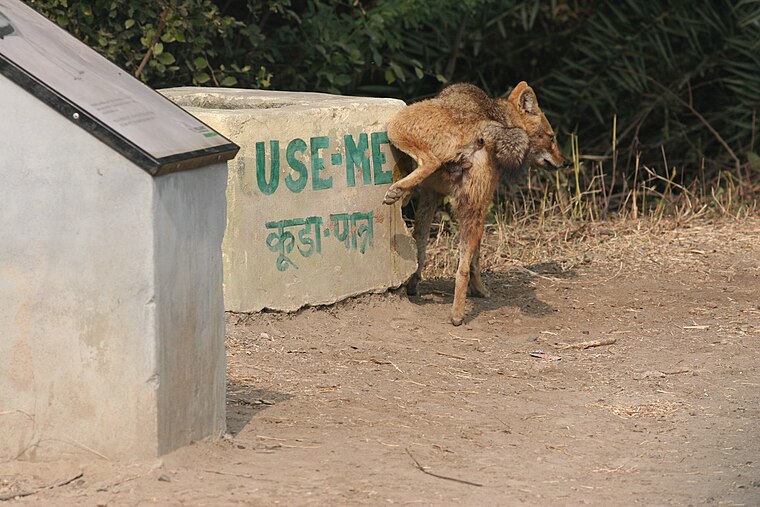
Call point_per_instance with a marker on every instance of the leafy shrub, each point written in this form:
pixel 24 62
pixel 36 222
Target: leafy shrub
pixel 681 78
pixel 193 46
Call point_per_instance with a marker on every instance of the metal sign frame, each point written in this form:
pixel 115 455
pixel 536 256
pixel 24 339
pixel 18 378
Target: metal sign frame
pixel 100 129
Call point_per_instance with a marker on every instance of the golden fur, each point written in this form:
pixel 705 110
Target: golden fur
pixel 472 139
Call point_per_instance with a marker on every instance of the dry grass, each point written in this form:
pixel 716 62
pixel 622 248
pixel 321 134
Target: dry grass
pixel 566 245
pixel 567 217
pixel 656 408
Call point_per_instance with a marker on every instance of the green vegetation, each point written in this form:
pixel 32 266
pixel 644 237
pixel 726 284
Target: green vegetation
pixel 675 81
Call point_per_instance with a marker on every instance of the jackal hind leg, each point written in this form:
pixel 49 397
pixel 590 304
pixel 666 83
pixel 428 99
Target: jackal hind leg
pixel 476 287
pixel 423 219
pixel 427 164
pixel 471 222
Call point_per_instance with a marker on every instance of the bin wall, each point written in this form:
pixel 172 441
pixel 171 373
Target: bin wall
pixel 191 214
pixel 111 312
pixel 77 317
pixel 306 224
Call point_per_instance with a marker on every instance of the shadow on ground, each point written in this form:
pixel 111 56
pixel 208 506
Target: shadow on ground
pixel 509 288
pixel 244 401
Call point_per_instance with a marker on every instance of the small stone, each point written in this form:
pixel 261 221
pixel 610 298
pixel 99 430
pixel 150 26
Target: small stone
pixel 164 478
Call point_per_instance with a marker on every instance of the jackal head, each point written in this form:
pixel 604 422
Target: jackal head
pixel 543 151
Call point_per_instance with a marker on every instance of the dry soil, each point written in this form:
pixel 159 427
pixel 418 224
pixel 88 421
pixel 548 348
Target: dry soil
pixel 378 400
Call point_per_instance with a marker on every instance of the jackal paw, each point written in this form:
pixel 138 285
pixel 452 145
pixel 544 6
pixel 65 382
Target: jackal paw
pixel 392 195
pixel 457 316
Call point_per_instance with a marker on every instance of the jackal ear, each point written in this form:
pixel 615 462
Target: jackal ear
pixel 525 98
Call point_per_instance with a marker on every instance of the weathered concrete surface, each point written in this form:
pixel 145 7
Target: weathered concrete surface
pixel 189 213
pixel 306 224
pixel 111 309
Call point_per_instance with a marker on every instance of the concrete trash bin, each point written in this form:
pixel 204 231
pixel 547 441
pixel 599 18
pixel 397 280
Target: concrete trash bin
pixel 306 224
pixel 111 307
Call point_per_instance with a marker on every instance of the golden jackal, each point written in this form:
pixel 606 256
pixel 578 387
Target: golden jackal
pixel 472 138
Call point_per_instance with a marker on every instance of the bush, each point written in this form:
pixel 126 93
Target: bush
pixel 193 46
pixel 681 78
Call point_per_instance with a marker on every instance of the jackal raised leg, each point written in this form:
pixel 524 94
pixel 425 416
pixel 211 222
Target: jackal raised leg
pixel 427 164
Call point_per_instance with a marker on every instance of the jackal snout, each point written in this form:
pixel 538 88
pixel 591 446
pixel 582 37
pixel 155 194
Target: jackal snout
pixel 548 155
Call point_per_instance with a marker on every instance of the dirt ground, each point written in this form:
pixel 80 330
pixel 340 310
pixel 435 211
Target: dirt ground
pixel 378 400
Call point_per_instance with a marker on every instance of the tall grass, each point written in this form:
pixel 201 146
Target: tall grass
pixel 550 213
pixel 594 189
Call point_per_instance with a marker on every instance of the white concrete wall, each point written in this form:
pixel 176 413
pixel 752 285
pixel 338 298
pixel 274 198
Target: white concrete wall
pixel 76 289
pixel 191 213
pixel 305 159
pixel 102 271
